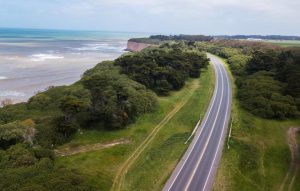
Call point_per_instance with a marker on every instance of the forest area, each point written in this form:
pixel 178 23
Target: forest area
pixel 113 94
pixel 265 107
pixel 267 76
pixel 109 96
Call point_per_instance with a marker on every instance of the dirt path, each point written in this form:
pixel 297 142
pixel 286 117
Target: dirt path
pixel 120 176
pixel 86 148
pixel 289 179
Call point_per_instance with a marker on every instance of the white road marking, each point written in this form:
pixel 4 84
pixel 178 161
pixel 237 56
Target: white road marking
pixel 208 139
pixel 215 156
pixel 211 106
pixel 194 131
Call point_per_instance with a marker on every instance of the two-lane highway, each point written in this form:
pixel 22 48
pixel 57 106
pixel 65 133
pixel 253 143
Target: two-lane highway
pixel 198 166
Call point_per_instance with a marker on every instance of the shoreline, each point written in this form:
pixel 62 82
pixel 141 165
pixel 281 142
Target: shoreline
pixel 57 60
pixel 27 82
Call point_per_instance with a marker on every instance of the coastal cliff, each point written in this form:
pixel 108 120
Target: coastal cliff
pixel 136 46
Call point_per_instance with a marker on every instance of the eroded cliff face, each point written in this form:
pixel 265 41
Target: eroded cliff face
pixel 136 46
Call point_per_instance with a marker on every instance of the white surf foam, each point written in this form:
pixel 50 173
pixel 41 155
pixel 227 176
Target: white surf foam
pixel 97 46
pixel 11 93
pixel 43 57
pixel 3 78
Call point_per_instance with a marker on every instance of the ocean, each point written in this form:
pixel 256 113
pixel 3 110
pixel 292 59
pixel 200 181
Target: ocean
pixel 33 59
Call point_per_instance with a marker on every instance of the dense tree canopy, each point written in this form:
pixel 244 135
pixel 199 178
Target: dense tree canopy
pixel 263 95
pixel 117 100
pixel 25 168
pixel 16 132
pixel 163 69
pixel 267 77
pixel 110 96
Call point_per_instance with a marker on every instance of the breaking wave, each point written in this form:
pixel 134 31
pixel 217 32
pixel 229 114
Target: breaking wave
pixel 43 57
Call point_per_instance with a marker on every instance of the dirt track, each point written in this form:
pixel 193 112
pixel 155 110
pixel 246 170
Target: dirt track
pixel 87 148
pixel 289 179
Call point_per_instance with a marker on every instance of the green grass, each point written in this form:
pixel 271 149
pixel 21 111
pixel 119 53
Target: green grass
pixel 258 158
pixel 156 164
pixel 297 180
pixel 159 158
pixel 286 43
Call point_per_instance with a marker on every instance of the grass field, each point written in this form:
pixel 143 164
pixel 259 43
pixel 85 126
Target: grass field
pixel 156 161
pixel 258 158
pixel 297 180
pixel 285 43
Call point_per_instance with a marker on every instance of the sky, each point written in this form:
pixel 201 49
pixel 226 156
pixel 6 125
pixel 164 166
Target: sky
pixel 209 17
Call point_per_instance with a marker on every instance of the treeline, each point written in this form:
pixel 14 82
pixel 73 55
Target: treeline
pixel 160 39
pixel 163 69
pixel 103 96
pixel 183 37
pixel 267 78
pixel 115 99
pixel 110 96
pixel 147 41
pixel 24 168
pixel 264 37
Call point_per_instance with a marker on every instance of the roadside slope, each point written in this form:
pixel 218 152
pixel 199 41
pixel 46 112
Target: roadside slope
pixel 101 166
pixel 259 155
pixel 197 168
pixel 152 168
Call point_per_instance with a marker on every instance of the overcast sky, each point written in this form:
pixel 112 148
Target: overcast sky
pixel 160 16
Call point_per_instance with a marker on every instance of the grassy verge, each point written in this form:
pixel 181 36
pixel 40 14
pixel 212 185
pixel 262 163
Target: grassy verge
pixel 161 154
pixel 286 43
pixel 258 158
pixel 297 179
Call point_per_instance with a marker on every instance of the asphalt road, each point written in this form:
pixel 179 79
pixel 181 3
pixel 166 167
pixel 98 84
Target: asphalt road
pixel 197 169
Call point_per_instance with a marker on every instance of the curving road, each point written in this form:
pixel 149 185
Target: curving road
pixel 197 168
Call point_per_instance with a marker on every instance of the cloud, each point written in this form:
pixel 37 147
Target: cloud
pixel 169 16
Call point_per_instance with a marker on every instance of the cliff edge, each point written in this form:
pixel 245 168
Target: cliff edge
pixel 136 46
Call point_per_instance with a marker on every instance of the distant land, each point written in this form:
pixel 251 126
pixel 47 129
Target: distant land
pixel 137 44
pixel 155 39
pixel 262 37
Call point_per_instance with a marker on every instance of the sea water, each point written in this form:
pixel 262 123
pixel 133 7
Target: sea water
pixel 33 59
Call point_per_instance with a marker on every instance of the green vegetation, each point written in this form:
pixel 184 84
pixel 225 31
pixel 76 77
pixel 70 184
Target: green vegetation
pixel 169 142
pixel 14 132
pixel 115 99
pixel 262 37
pixel 297 178
pixel 164 69
pixel 266 78
pixel 160 39
pixel 286 43
pixel 24 168
pixel 106 104
pixel 102 166
pixel 258 156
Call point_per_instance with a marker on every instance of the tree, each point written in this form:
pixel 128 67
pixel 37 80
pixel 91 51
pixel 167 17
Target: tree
pixel 262 95
pixel 17 132
pixel 116 100
pixel 165 68
pixel 39 101
pixel 70 106
pixel 262 61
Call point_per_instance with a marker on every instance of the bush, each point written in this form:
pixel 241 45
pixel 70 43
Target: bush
pixel 165 68
pixel 17 132
pixel 116 100
pixel 266 76
pixel 263 96
pixel 43 153
pixel 17 156
pixel 39 101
